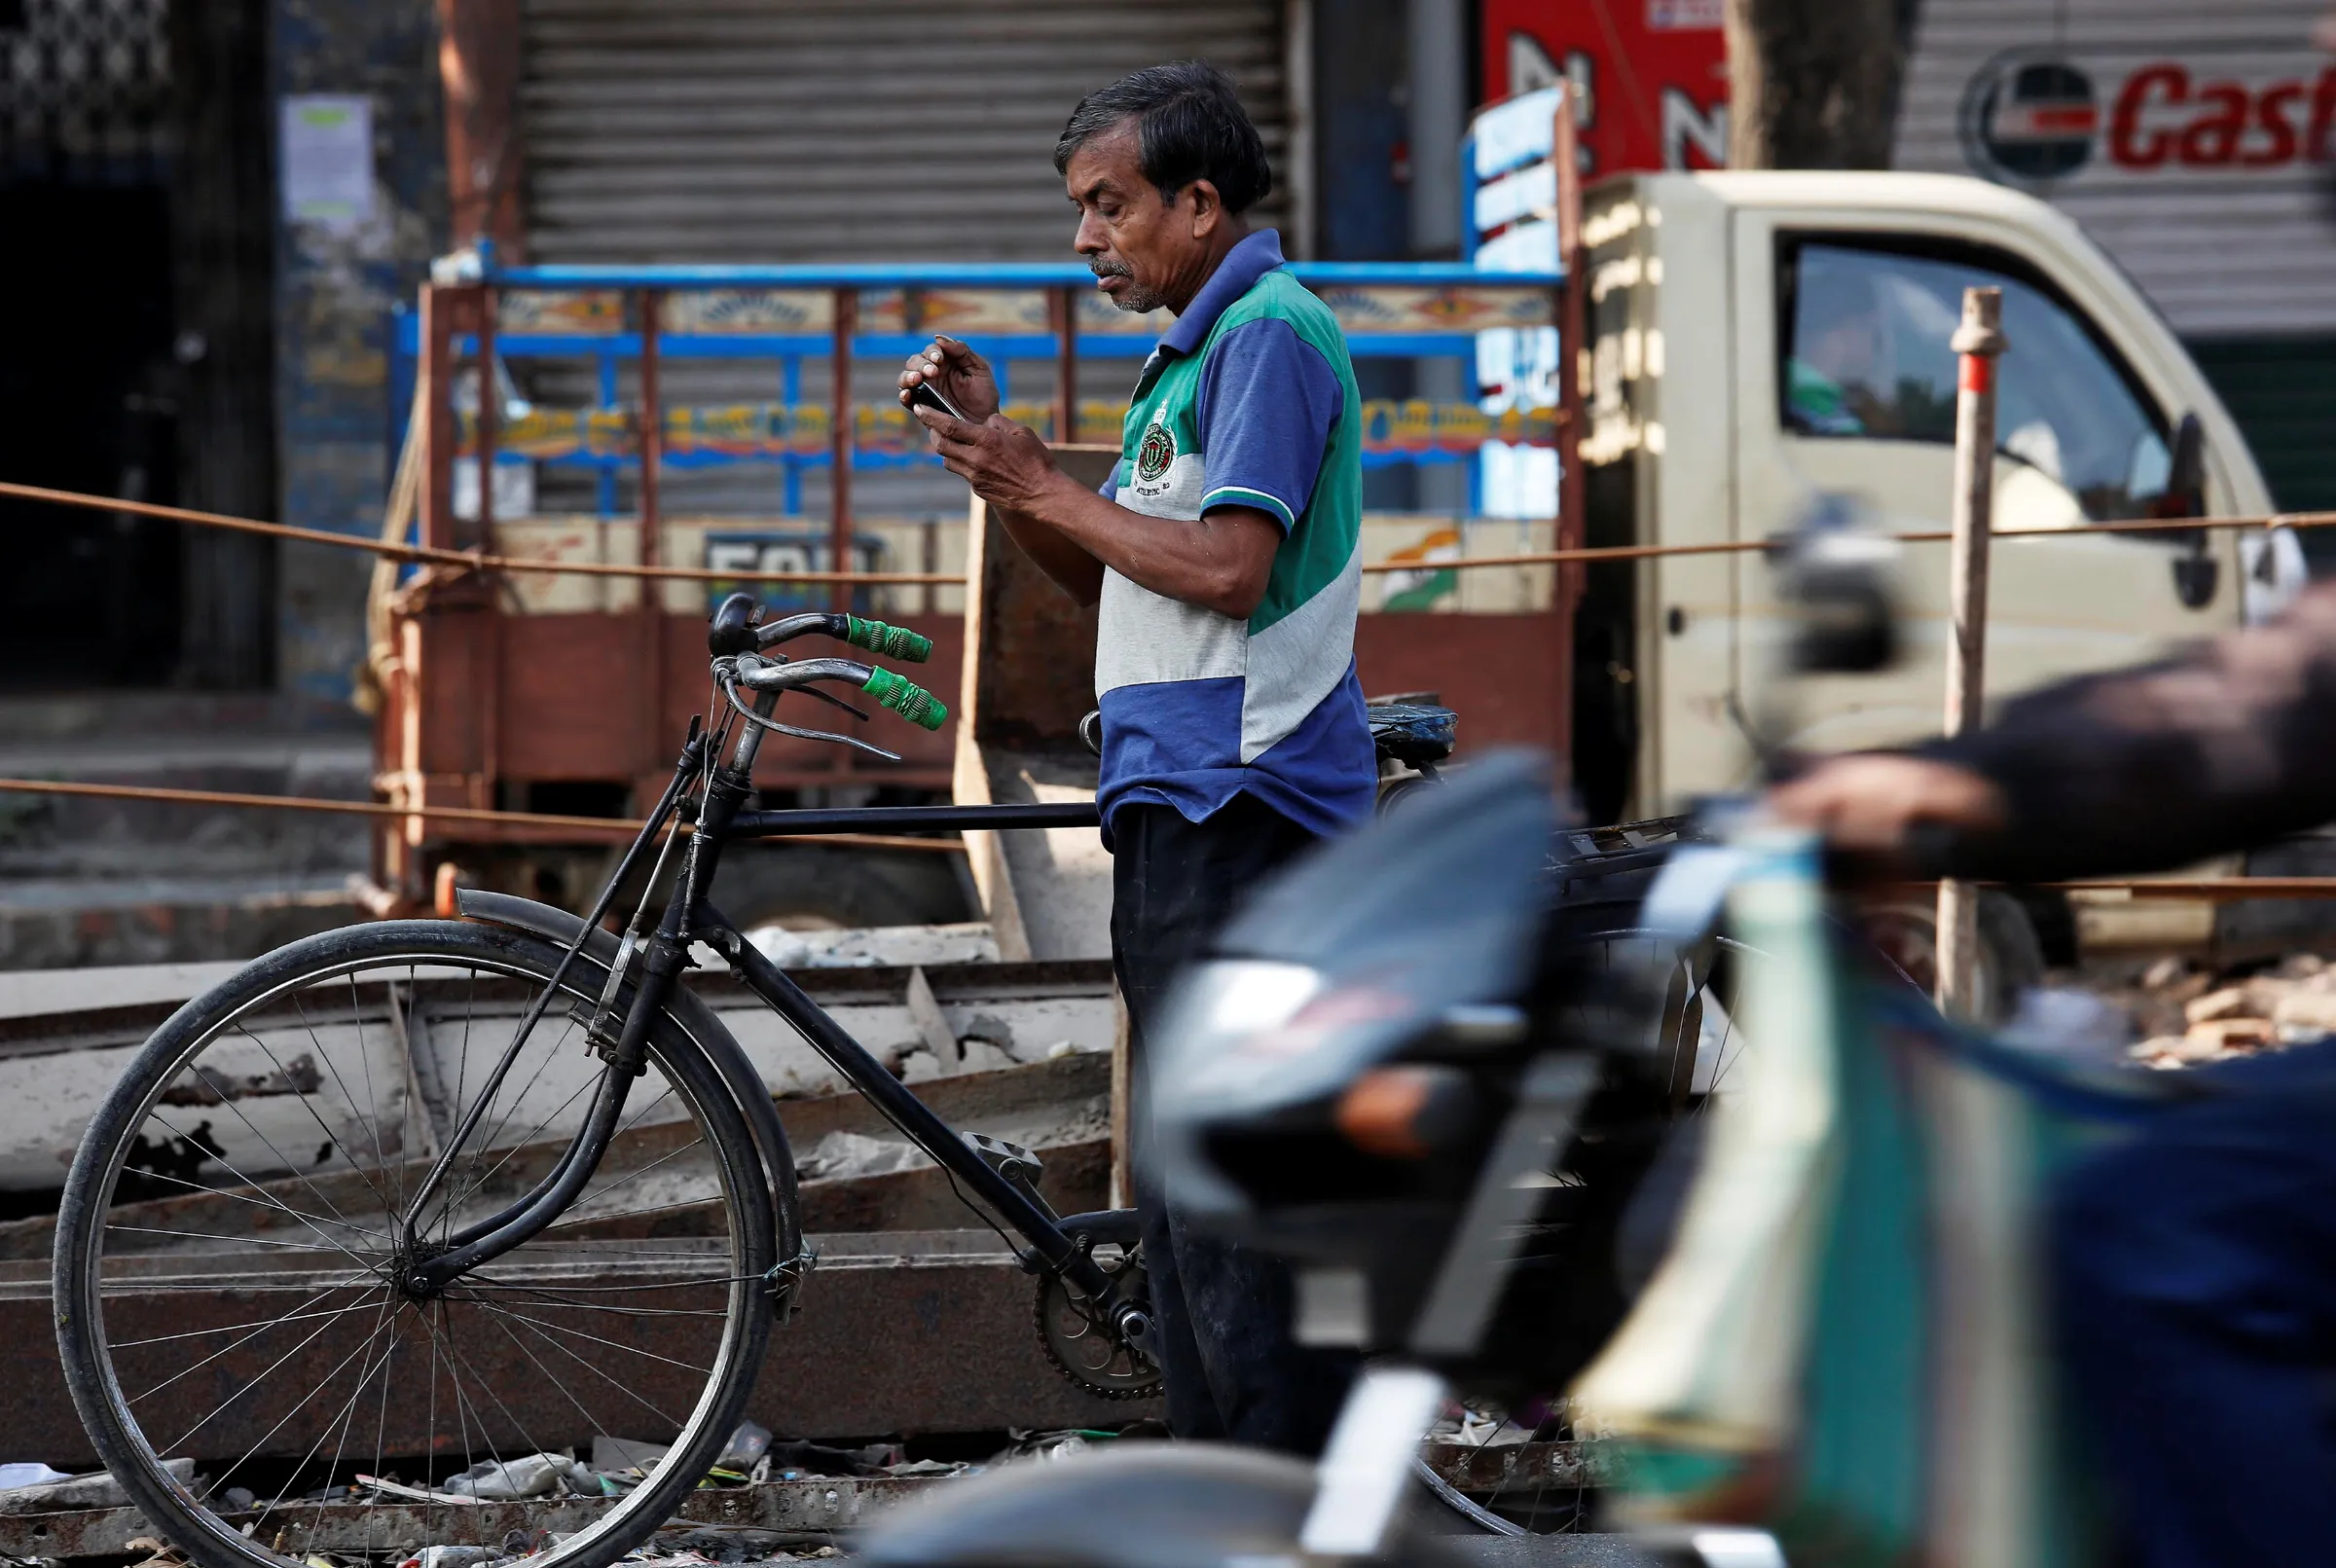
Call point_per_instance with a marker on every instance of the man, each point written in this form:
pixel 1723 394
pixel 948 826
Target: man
pixel 2195 1265
pixel 1836 353
pixel 1224 554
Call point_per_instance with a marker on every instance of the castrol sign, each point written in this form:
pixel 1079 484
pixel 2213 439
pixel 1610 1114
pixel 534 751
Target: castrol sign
pixel 2197 142
pixel 2039 117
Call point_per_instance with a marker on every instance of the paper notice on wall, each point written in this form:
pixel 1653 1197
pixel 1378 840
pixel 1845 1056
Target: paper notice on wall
pixel 327 160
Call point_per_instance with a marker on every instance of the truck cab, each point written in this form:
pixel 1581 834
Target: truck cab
pixel 1764 350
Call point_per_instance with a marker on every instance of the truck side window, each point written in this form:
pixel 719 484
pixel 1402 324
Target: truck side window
pixel 1869 357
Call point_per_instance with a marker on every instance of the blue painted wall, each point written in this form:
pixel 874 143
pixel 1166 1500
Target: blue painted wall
pixel 333 294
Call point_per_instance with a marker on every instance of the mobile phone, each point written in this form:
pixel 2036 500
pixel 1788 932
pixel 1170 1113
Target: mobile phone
pixel 924 393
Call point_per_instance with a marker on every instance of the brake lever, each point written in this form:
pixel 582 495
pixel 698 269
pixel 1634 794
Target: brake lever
pixel 832 700
pixel 730 691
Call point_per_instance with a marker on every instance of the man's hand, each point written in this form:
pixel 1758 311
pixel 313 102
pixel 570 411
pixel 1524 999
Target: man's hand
pixel 1866 803
pixel 1006 463
pixel 957 372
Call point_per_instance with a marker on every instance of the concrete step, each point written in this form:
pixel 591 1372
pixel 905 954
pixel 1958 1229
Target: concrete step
pixel 61 923
pixel 259 743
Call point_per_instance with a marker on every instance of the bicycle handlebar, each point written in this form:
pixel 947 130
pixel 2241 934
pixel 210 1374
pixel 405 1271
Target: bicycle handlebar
pixel 734 631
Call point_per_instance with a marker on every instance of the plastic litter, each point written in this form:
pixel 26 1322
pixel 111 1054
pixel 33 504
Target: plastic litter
pixel 536 1475
pixel 747 1444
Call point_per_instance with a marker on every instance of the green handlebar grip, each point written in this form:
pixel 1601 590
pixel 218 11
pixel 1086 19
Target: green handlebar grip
pixel 906 698
pixel 892 642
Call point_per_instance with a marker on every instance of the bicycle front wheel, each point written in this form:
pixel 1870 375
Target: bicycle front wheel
pixel 229 1283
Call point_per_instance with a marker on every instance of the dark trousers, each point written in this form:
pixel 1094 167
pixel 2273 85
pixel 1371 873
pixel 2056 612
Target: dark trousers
pixel 2195 1283
pixel 1223 1312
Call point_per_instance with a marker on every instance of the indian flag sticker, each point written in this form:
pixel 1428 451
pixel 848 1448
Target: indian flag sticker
pixel 1426 585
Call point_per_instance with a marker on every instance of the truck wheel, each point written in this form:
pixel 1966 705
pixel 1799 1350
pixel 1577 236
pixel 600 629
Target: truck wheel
pixel 2011 957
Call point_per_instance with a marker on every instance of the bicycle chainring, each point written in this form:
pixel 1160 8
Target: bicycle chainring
pixel 1080 1343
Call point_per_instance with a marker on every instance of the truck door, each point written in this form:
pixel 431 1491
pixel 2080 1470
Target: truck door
pixel 1845 400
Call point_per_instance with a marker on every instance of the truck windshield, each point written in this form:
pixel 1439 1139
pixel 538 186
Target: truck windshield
pixel 1867 358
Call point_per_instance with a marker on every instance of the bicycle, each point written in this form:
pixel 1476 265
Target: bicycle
pixel 477 1258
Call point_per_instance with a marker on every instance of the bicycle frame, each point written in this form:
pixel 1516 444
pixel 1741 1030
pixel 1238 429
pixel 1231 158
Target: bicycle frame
pixel 651 967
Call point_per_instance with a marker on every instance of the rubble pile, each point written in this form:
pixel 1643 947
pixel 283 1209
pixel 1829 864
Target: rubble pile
pixel 2188 1016
pixel 557 1479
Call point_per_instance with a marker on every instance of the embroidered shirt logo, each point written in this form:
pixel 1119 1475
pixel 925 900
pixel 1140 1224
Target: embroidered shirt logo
pixel 1154 455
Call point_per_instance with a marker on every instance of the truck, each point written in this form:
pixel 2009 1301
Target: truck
pixel 1748 352
pixel 1767 350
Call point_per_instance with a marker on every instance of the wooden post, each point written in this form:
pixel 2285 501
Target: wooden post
pixel 491 685
pixel 437 498
pixel 1573 377
pixel 1064 311
pixel 648 547
pixel 1979 340
pixel 840 442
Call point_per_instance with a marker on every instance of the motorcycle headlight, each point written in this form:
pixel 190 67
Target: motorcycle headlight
pixel 1237 996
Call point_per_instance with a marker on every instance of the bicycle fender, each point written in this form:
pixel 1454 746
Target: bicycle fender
pixel 703 1026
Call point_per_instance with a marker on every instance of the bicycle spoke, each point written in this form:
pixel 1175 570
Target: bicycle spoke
pixel 229 1166
pixel 332 1140
pixel 254 1335
pixel 388 1310
pixel 622 1387
pixel 635 1176
pixel 597 1339
pixel 181 1440
pixel 271 1201
pixel 231 1328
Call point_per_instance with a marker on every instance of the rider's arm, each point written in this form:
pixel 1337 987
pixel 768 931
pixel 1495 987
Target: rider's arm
pixel 2225 746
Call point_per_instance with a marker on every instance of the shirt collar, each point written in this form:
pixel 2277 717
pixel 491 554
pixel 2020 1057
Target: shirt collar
pixel 1252 258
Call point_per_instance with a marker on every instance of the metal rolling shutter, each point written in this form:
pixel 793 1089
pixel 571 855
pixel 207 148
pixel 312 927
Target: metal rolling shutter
pixel 2242 248
pixel 867 130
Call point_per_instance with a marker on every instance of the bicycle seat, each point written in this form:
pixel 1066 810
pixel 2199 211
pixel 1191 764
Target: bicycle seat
pixel 1413 734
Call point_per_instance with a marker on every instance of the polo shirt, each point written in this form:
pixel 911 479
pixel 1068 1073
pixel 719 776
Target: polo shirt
pixel 1248 400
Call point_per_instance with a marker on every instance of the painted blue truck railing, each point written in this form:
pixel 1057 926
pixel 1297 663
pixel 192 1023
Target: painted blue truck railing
pixel 1391 311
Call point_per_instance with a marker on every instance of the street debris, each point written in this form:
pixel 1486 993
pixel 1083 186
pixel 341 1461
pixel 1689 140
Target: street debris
pixel 2190 1016
pixel 765 1499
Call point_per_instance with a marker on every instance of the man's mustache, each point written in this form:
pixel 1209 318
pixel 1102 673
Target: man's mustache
pixel 1111 269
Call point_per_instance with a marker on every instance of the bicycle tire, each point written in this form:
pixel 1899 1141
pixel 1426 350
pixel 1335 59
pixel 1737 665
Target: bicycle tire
pixel 601 1264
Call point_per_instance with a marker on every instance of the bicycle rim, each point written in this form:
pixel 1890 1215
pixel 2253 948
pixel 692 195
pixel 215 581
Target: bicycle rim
pixel 229 1247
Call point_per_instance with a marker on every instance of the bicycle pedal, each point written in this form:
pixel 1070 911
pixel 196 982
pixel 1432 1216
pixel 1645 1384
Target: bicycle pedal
pixel 1018 1165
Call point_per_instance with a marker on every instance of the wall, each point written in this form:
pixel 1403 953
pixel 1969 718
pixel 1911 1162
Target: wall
pixel 334 292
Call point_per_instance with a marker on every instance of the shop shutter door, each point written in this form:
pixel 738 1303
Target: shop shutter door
pixel 864 130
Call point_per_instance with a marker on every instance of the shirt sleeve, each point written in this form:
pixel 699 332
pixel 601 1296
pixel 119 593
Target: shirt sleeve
pixel 1109 490
pixel 1266 407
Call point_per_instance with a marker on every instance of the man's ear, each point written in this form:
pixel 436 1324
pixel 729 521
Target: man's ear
pixel 1208 208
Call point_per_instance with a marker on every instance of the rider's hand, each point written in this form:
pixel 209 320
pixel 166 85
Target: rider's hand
pixel 1865 803
pixel 1006 463
pixel 957 372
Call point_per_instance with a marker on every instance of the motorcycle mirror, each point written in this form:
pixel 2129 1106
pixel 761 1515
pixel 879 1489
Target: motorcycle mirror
pixel 2185 491
pixel 1839 581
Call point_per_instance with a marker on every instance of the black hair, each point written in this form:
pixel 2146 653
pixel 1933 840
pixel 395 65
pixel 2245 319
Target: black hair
pixel 1189 126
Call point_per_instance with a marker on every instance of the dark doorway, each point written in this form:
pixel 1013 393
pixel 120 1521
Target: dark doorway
pixel 135 360
pixel 86 598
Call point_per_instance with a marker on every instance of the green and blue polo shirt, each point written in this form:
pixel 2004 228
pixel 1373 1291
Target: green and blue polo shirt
pixel 1248 400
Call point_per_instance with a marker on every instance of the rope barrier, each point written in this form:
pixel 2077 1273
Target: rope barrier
pixel 476 560
pixel 469 559
pixel 607 826
pixel 2220 889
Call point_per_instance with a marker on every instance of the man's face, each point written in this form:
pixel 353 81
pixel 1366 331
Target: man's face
pixel 1142 249
pixel 1849 350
